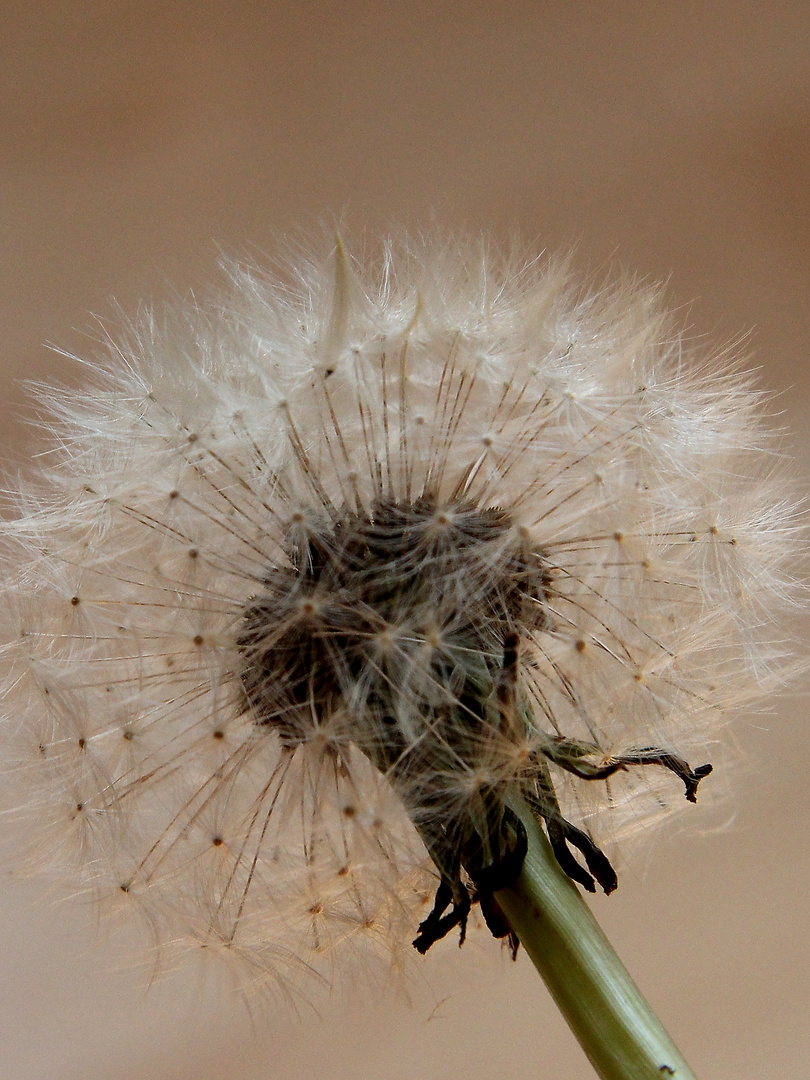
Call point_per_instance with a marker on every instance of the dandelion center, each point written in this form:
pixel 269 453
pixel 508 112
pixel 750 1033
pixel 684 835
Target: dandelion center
pixel 376 589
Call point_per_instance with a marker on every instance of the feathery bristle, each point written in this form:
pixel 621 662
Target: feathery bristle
pixel 313 585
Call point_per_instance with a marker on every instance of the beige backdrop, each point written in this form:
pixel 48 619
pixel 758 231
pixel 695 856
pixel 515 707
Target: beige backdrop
pixel 137 140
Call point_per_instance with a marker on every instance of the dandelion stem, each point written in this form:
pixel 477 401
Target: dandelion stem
pixel 617 1029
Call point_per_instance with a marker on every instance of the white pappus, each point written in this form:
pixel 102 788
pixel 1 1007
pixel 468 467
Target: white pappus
pixel 315 583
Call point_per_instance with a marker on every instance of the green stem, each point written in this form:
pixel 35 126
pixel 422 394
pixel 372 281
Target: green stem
pixel 617 1029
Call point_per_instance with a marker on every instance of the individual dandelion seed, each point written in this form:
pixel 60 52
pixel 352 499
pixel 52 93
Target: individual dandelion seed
pixel 328 596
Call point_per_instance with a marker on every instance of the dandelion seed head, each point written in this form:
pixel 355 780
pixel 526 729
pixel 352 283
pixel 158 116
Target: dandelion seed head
pixel 312 585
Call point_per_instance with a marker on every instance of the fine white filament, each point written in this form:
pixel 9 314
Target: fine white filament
pixel 168 761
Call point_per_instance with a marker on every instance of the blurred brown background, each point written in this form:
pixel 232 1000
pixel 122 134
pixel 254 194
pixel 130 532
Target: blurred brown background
pixel 138 140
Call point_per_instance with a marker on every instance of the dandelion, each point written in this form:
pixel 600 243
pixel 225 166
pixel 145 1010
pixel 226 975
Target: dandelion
pixel 324 601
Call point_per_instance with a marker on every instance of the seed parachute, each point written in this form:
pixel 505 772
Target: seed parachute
pixel 317 585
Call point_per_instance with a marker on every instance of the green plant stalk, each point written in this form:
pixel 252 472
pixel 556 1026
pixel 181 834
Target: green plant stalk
pixel 615 1026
